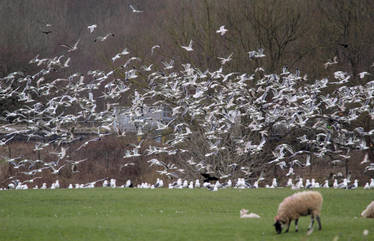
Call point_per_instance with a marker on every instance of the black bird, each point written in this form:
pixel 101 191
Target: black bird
pixel 344 45
pixel 47 32
pixel 208 177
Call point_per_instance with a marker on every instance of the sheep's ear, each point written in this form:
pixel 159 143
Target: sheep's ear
pixel 276 218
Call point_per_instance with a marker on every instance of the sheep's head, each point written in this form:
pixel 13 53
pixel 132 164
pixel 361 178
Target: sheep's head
pixel 278 225
pixel 243 211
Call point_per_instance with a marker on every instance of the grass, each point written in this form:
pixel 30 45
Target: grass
pixel 138 214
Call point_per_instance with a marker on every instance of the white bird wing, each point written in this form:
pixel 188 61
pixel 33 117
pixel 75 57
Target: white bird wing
pixel 134 10
pixel 189 47
pixel 76 43
pixel 66 46
pixel 190 44
pixel 156 162
pixel 92 27
pixel 117 56
pixel 153 48
pixel 366 159
pixel 125 52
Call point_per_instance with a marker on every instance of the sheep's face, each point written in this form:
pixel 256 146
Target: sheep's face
pixel 243 212
pixel 279 223
pixel 278 227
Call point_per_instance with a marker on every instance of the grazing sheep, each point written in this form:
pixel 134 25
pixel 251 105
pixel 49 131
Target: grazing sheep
pixel 369 211
pixel 299 204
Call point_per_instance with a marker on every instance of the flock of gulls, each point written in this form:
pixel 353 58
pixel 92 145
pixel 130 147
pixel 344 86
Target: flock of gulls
pixel 221 123
pixel 241 183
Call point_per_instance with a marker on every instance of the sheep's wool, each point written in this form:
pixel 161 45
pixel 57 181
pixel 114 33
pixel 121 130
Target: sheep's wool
pixel 369 211
pixel 300 204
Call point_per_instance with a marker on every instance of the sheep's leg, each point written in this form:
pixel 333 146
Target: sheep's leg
pixel 288 226
pixel 319 222
pixel 296 222
pixel 311 222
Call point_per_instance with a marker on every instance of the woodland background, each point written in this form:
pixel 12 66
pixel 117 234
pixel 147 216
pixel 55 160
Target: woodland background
pixel 298 34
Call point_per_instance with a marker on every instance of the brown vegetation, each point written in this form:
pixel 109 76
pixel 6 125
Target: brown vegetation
pixel 104 161
pixel 297 34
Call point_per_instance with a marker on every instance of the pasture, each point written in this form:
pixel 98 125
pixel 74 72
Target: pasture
pixel 162 214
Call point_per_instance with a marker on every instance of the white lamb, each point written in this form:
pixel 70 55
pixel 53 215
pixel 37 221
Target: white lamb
pixel 244 214
pixel 299 204
pixel 369 211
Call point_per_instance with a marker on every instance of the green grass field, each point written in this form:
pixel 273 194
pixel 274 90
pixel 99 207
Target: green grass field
pixel 162 214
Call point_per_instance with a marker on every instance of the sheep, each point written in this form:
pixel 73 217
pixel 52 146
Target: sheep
pixel 299 204
pixel 244 214
pixel 369 211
